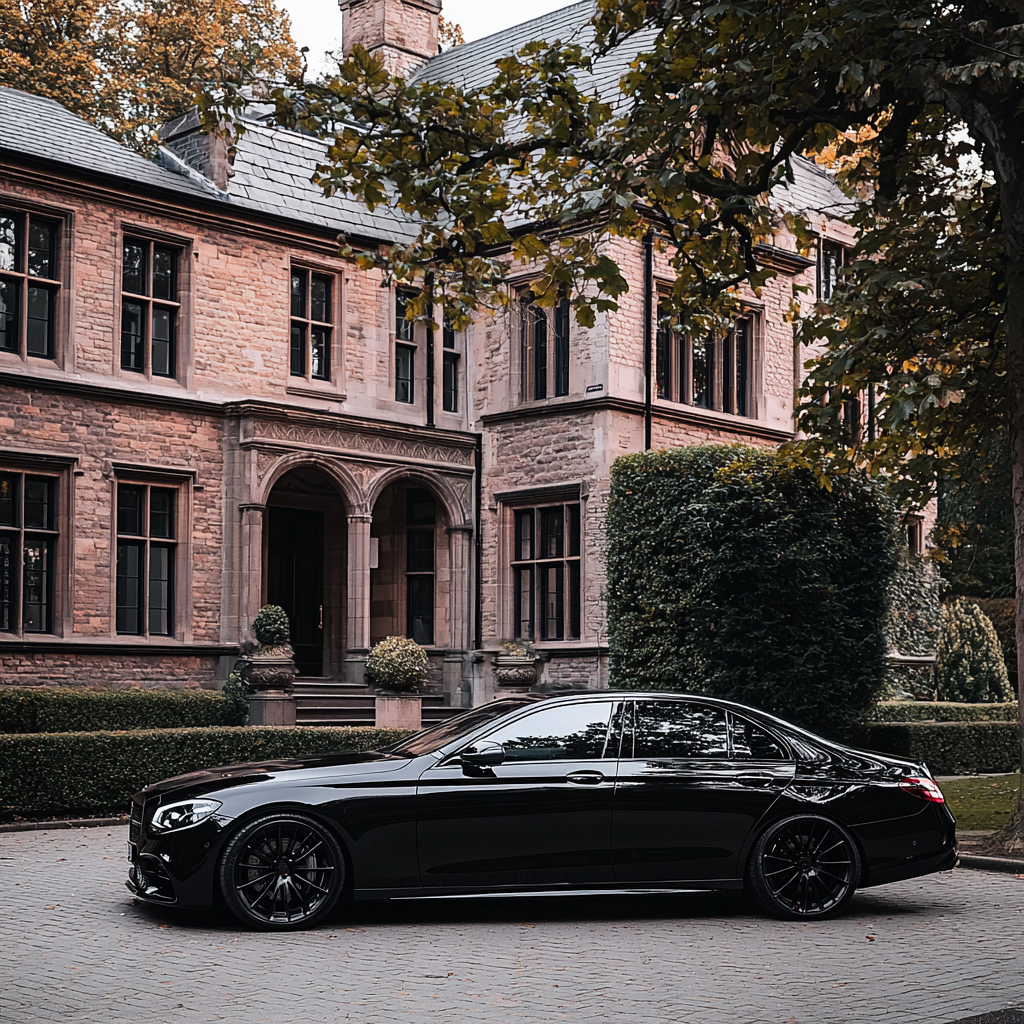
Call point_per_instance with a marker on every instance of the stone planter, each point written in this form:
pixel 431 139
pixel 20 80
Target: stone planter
pixel 269 672
pixel 515 673
pixel 270 679
pixel 393 711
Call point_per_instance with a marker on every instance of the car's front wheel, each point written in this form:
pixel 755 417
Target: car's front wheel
pixel 803 867
pixel 282 871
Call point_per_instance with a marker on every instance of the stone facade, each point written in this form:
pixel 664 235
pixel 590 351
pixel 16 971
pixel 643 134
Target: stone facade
pixel 468 520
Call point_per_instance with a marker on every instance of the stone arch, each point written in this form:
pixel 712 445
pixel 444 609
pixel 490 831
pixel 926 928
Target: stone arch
pixel 349 487
pixel 456 511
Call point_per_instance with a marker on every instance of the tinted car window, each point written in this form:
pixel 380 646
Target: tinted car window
pixel 440 735
pixel 571 732
pixel 749 740
pixel 676 728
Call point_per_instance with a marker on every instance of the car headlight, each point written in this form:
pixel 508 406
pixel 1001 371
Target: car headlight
pixel 183 814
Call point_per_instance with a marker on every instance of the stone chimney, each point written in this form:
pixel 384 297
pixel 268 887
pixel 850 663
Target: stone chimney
pixel 403 32
pixel 204 152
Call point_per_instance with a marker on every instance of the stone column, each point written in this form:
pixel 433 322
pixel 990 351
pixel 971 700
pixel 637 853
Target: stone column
pixel 460 560
pixel 250 570
pixel 358 597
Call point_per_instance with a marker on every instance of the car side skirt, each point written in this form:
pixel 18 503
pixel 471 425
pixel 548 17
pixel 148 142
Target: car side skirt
pixel 704 885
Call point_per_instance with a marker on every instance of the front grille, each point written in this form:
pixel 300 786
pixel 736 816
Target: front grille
pixel 135 824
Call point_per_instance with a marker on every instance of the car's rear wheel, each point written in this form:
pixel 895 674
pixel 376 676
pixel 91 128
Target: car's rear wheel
pixel 804 867
pixel 282 871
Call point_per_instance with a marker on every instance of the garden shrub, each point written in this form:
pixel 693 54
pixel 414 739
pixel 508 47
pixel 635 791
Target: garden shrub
pixel 271 627
pixel 97 772
pixel 733 573
pixel 68 709
pixel 236 693
pixel 1002 613
pixel 397 663
pixel 941 711
pixel 949 748
pixel 970 667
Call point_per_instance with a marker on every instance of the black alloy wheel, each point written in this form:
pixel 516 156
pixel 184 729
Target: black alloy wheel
pixel 282 871
pixel 803 867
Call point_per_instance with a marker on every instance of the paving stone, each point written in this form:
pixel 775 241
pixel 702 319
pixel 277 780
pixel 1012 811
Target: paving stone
pixel 945 948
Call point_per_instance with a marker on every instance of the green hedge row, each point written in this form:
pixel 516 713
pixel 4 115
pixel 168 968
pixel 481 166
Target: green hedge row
pixel 97 772
pixel 941 711
pixel 949 748
pixel 66 709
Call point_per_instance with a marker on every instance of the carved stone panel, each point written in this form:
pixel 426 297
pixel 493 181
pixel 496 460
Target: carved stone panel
pixel 304 436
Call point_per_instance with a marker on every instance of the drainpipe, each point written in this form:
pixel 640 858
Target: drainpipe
pixel 478 465
pixel 648 334
pixel 429 285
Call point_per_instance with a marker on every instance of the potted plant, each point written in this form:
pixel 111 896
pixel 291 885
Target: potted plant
pixel 516 665
pixel 269 671
pixel 399 665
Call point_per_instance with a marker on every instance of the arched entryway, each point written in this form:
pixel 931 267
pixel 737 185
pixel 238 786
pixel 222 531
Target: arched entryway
pixel 304 566
pixel 410 570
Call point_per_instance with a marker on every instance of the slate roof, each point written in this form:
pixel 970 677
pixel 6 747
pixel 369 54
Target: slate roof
pixel 272 172
pixel 273 166
pixel 42 129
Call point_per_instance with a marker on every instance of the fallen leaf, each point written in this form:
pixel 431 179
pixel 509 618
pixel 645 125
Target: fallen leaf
pixel 870 938
pixel 527 925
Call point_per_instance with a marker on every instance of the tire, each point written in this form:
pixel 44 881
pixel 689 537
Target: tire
pixel 282 872
pixel 802 867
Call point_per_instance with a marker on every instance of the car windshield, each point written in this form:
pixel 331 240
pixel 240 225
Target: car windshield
pixel 440 735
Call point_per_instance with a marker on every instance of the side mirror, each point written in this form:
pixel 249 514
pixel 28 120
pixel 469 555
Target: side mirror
pixel 484 754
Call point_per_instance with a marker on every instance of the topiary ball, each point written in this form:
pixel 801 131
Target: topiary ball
pixel 271 627
pixel 397 663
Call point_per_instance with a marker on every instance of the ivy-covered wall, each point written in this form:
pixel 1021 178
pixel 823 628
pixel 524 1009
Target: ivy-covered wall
pixel 733 573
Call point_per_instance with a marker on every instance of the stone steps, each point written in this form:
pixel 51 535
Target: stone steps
pixel 322 701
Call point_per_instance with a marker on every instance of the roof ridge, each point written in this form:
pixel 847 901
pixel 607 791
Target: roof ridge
pixel 494 35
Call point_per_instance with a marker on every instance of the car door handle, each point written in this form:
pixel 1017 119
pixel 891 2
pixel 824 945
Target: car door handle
pixel 755 778
pixel 585 778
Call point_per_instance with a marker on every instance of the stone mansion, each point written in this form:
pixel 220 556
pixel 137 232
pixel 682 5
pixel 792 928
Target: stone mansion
pixel 204 409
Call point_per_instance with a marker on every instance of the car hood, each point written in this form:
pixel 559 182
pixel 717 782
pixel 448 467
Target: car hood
pixel 210 779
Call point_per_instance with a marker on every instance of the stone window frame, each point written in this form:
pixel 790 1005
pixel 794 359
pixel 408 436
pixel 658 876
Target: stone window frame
pixel 184 360
pixel 831 258
pixel 452 344
pixel 674 381
pixel 182 482
pixel 555 383
pixel 412 339
pixel 510 505
pixel 913 523
pixel 63 356
pixel 333 387
pixel 61 469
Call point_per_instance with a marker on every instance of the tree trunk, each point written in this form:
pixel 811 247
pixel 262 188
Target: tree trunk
pixel 1013 204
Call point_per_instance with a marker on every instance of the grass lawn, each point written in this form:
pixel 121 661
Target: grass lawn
pixel 983 801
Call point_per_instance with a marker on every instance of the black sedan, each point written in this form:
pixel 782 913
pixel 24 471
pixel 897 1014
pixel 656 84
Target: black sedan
pixel 595 792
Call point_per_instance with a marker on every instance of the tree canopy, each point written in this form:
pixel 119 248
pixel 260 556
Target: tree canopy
pixel 130 65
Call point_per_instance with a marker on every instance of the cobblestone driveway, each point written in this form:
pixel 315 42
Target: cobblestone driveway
pixel 75 948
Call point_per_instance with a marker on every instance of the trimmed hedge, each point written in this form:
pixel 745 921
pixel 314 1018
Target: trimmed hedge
pixel 65 709
pixel 941 711
pixel 735 573
pixel 97 772
pixel 949 748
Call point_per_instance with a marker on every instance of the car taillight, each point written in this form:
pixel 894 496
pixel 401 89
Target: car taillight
pixel 923 788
